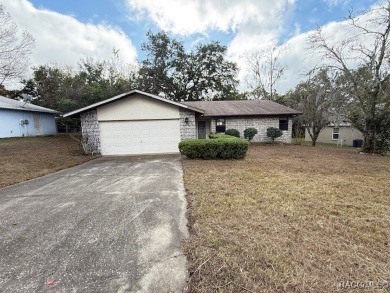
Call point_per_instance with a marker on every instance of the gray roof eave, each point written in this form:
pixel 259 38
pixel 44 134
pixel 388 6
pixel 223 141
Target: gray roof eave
pixel 252 115
pixel 30 110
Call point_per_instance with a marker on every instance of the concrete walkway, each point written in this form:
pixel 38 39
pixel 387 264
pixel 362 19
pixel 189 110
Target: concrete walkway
pixel 111 225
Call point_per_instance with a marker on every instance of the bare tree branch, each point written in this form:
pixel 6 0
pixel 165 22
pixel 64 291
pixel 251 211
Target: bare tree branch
pixel 265 71
pixel 363 58
pixel 15 48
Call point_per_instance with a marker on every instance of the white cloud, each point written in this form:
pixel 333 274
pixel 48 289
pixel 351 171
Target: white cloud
pixel 63 40
pixel 257 24
pixel 333 3
pixel 299 59
pixel 187 17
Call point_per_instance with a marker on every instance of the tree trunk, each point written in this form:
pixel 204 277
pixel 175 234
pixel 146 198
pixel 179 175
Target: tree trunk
pixel 369 134
pixel 313 135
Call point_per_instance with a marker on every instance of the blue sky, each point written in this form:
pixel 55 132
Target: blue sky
pixel 67 30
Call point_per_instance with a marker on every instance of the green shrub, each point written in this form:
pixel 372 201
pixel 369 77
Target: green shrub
pixel 273 133
pixel 220 135
pixel 232 132
pixel 249 133
pixel 216 148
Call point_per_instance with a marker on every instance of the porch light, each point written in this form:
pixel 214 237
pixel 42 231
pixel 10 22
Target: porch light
pixel 186 120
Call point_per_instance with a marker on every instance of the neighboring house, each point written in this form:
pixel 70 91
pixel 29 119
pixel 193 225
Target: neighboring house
pixel 18 119
pixel 140 123
pixel 342 134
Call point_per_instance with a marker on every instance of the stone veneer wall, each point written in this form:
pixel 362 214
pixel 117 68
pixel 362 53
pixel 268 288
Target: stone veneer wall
pixel 187 130
pixel 90 131
pixel 213 126
pixel 261 124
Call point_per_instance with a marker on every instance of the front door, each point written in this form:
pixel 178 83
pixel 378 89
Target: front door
pixel 37 124
pixel 201 129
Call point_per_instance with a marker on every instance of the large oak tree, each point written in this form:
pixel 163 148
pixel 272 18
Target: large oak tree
pixel 201 74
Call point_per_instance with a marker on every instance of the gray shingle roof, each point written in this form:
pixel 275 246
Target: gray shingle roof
pixel 242 108
pixel 6 103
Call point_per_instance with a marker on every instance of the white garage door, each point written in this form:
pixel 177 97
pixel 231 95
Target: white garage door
pixel 139 137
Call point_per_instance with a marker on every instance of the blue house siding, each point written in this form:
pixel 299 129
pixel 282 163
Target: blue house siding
pixel 38 124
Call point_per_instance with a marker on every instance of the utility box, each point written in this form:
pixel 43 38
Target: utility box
pixel 357 143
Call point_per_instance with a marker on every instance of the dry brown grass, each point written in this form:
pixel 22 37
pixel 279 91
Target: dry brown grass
pixel 288 219
pixel 30 157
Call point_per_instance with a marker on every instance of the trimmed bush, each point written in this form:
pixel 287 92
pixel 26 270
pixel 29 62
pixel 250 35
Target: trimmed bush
pixel 273 133
pixel 216 148
pixel 220 135
pixel 250 133
pixel 232 132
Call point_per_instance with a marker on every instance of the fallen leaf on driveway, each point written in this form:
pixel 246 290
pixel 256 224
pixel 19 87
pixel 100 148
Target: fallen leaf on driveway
pixel 51 282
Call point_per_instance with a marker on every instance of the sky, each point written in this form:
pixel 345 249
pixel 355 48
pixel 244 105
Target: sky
pixel 67 30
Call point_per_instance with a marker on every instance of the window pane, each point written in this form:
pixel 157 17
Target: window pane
pixel 335 133
pixel 220 128
pixel 220 125
pixel 283 124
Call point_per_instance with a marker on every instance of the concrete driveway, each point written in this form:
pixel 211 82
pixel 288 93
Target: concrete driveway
pixel 110 225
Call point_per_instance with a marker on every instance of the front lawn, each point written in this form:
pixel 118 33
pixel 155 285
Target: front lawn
pixel 30 157
pixel 289 219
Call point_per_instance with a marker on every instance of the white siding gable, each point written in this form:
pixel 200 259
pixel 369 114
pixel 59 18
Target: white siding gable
pixel 137 107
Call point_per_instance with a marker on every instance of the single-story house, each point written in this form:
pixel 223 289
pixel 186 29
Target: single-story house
pixel 19 119
pixel 241 114
pixel 141 123
pixel 338 133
